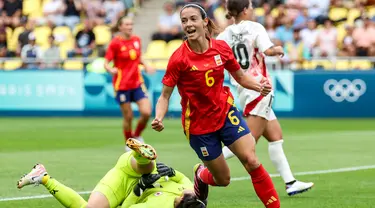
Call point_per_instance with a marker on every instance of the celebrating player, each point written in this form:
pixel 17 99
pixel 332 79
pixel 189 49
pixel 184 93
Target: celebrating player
pixel 125 51
pixel 209 116
pixel 249 40
pixel 124 184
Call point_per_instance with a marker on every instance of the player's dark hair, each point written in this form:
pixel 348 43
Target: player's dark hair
pixel 191 201
pixel 115 28
pixel 235 7
pixel 211 26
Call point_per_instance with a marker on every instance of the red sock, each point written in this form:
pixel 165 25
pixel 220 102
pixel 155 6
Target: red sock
pixel 139 129
pixel 207 177
pixel 264 188
pixel 128 134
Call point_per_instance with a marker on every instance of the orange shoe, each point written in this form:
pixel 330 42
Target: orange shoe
pixel 146 150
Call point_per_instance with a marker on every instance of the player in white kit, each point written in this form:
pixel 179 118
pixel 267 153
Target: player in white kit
pixel 249 42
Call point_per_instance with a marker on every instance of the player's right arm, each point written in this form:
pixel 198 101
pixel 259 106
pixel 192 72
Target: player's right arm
pixel 264 43
pixel 242 78
pixel 169 80
pixel 109 56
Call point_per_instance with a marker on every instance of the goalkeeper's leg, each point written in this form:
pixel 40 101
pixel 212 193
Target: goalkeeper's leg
pixel 65 195
pixel 143 155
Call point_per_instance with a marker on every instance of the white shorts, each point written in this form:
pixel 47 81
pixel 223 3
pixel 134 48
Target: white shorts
pixel 263 108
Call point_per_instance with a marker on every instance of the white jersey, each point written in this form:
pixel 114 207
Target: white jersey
pixel 248 41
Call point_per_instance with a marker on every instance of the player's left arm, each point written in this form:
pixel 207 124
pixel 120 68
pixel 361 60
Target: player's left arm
pixel 264 43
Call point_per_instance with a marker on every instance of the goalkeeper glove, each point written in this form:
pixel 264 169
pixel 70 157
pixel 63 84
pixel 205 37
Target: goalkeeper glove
pixel 145 182
pixel 165 170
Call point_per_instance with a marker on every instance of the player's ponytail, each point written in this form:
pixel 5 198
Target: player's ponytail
pixel 212 29
pixel 190 201
pixel 235 7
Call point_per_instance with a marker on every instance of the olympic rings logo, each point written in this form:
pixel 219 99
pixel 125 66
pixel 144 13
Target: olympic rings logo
pixel 345 89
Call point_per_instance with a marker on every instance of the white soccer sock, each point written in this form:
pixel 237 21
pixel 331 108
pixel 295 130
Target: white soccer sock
pixel 278 158
pixel 227 153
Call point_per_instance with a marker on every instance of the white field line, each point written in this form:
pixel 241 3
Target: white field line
pixel 339 170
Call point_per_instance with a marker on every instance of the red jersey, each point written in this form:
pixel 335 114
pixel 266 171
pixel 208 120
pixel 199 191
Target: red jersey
pixel 126 55
pixel 199 78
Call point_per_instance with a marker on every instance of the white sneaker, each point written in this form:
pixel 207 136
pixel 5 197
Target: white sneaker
pixel 298 187
pixel 34 177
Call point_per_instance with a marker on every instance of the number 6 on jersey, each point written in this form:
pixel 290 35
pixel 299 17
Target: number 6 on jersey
pixel 210 81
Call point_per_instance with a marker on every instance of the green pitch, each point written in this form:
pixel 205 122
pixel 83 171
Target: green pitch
pixel 79 151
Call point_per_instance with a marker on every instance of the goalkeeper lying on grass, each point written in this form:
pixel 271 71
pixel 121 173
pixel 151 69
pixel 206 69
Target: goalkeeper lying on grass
pixel 134 182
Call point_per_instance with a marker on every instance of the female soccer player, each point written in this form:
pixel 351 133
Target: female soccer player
pixel 125 51
pixel 209 116
pixel 249 40
pixel 124 184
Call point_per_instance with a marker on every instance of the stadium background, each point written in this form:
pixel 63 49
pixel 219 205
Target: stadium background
pixel 50 101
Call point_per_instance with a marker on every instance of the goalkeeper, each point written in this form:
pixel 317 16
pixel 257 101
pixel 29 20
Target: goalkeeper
pixel 134 182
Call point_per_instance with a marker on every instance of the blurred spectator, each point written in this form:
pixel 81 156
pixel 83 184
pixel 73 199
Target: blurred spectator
pixel 12 12
pixel 326 41
pixel 318 9
pixel 301 20
pixel 3 43
pixel 280 14
pixel 169 24
pixel 294 7
pixel 51 56
pixel 270 28
pixel 113 10
pixel 309 35
pixel 284 33
pixel 295 51
pixel 72 9
pixel 53 12
pixel 348 47
pixel 23 38
pixel 219 15
pixel 267 12
pixel 364 38
pixel 85 41
pixel 94 11
pixel 31 53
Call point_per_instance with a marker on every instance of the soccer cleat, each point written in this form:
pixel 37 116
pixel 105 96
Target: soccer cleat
pixel 127 149
pixel 146 150
pixel 34 177
pixel 200 188
pixel 298 187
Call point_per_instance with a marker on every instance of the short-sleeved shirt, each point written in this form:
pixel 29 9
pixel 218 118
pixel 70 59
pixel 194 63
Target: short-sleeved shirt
pixel 126 55
pixel 199 79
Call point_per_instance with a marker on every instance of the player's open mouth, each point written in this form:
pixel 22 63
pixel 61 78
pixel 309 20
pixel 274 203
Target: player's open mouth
pixel 190 32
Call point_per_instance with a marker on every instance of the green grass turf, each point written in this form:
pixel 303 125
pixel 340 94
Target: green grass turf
pixel 79 151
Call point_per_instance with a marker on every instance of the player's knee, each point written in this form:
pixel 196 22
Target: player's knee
pixel 223 181
pixel 250 162
pixel 146 113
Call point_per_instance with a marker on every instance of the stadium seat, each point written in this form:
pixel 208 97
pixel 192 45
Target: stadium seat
pixel 342 65
pixel 371 11
pixel 259 12
pixel 361 64
pixel 12 64
pixel 352 14
pixel 13 43
pixel 156 49
pixel 9 33
pixel 275 12
pixel 62 34
pixel 102 34
pixel 321 64
pixel 30 7
pixel 73 65
pixel 341 32
pixel 77 28
pixel 172 46
pixel 161 65
pixel 337 13
pixel 42 34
